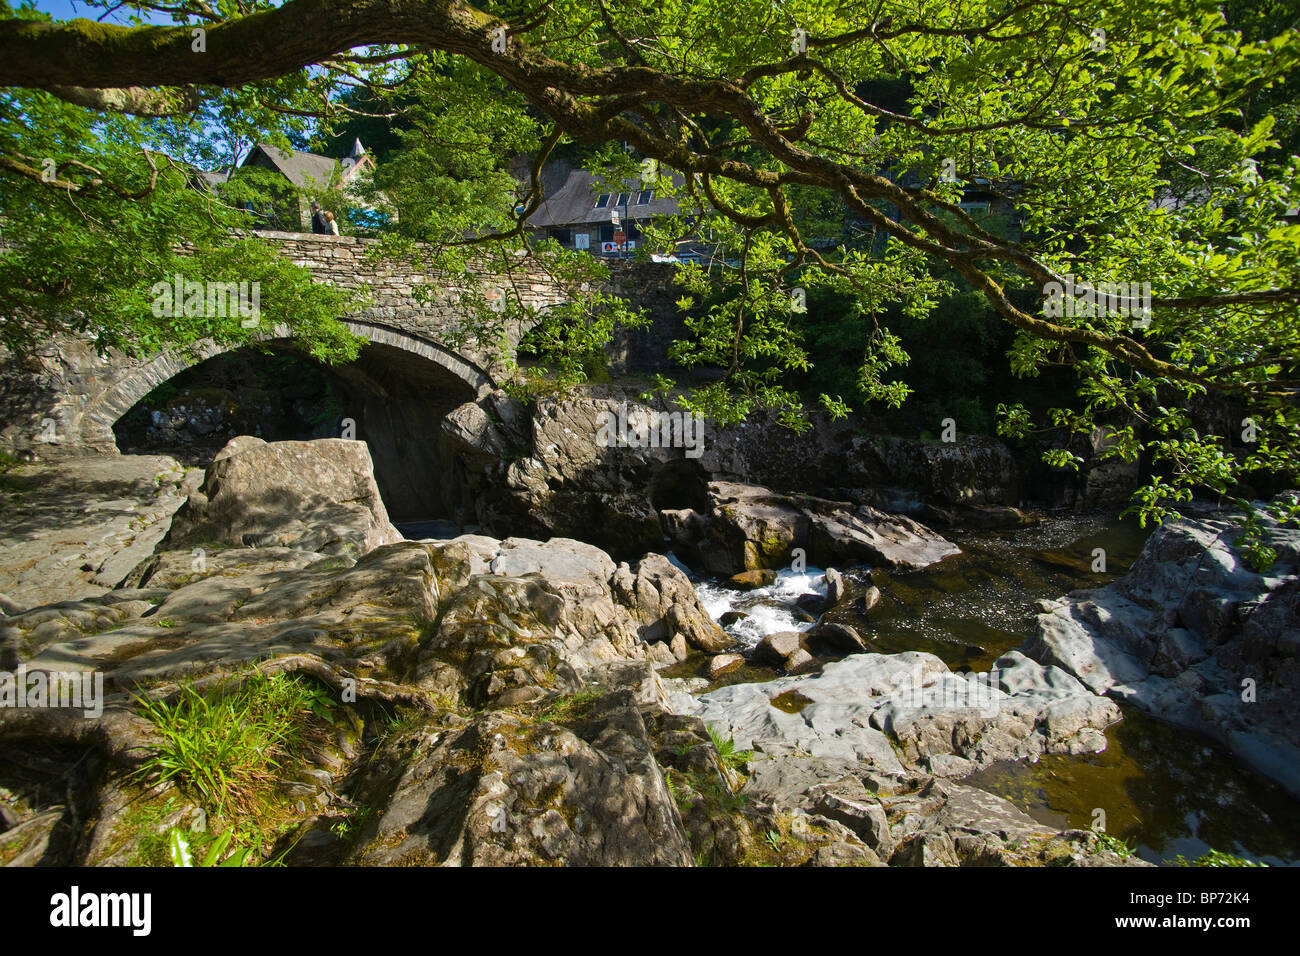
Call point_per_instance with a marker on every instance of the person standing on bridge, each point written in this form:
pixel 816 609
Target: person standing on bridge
pixel 319 224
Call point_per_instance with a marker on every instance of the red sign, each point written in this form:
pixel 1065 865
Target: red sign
pixel 620 237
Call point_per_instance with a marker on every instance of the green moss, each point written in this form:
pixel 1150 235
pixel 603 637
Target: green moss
pixel 570 707
pixel 778 845
pixel 9 851
pixel 143 825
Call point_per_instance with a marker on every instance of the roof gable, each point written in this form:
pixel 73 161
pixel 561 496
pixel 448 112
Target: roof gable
pixel 311 170
pixel 573 201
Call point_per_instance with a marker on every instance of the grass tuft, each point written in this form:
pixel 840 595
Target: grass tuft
pixel 224 745
pixel 727 752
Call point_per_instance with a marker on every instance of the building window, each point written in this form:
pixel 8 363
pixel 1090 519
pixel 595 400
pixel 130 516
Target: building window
pixel 562 236
pixel 603 201
pixel 622 199
pixel 607 233
pixel 644 196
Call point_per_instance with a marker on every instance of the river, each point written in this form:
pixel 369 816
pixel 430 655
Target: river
pixel 1164 791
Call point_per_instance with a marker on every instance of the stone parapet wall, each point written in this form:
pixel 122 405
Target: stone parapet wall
pixel 63 400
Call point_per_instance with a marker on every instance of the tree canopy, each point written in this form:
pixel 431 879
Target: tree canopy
pixel 1137 145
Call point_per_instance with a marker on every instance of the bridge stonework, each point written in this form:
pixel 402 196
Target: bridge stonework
pixel 63 400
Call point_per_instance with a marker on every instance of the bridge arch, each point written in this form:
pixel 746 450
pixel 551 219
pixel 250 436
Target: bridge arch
pixel 95 427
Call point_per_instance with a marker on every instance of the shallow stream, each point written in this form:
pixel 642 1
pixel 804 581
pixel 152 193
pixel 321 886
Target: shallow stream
pixel 1165 791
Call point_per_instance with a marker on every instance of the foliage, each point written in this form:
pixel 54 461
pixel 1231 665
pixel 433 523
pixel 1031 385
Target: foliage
pixel 1251 542
pixel 945 148
pixel 1215 858
pixel 727 752
pixel 1114 844
pixel 224 745
pixel 82 252
pixel 182 845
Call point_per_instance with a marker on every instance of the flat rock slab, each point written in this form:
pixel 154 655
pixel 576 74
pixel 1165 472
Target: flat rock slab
pixel 77 528
pixel 241 611
pixel 908 711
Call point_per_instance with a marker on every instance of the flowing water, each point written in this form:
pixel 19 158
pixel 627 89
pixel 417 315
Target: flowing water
pixel 1163 790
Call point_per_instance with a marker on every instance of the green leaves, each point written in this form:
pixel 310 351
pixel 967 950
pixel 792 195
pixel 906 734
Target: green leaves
pixel 223 745
pixel 85 257
pixel 986 145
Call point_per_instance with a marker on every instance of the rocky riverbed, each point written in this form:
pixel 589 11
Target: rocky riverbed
pixel 493 701
pixel 1163 794
pixel 630 658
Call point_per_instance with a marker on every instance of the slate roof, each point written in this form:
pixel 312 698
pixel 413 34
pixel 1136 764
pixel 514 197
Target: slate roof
pixel 305 170
pixel 571 195
pixel 210 180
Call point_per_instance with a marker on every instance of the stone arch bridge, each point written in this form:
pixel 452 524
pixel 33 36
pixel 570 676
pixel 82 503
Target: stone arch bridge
pixel 65 400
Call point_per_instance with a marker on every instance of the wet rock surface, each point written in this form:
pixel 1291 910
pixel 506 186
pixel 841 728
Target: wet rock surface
pixel 1197 637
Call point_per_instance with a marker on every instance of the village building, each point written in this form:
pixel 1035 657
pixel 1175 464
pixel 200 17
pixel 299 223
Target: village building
pixel 310 174
pixel 589 212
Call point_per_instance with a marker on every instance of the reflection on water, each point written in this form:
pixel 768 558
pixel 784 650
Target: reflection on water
pixel 971 608
pixel 1163 790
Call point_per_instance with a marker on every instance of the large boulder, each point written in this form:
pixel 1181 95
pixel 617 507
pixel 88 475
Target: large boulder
pixel 502 790
pixel 311 495
pixel 750 527
pixel 667 606
pixel 908 711
pixel 552 474
pixel 526 618
pixel 1195 636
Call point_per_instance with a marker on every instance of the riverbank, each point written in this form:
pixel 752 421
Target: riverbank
pixel 1163 796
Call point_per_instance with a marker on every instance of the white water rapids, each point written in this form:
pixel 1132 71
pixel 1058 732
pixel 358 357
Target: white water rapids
pixel 770 609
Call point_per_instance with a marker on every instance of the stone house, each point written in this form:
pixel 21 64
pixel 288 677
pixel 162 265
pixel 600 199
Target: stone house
pixel 309 174
pixel 583 210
